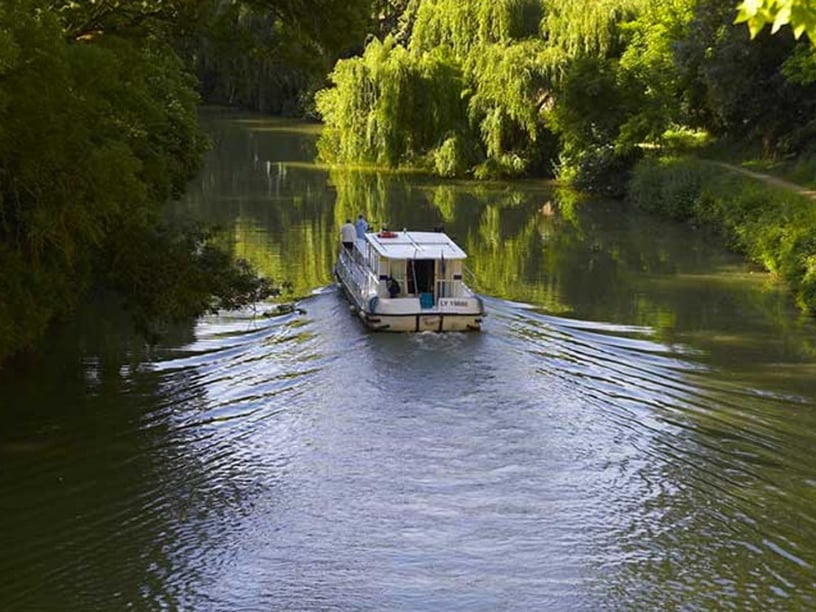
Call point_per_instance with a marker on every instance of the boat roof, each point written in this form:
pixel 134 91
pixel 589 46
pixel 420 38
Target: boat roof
pixel 415 245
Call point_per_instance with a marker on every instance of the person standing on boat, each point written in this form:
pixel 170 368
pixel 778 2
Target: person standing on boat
pixel 347 234
pixel 393 287
pixel 362 226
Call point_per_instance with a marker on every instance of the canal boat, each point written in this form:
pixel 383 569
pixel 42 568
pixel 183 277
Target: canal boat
pixel 408 281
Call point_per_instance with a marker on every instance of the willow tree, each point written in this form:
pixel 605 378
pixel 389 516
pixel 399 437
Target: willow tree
pixel 504 65
pixel 389 107
pixel 424 103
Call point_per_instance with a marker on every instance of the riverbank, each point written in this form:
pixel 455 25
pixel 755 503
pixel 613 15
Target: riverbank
pixel 769 219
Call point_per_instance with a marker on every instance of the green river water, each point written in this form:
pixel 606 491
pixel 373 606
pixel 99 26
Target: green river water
pixel 633 429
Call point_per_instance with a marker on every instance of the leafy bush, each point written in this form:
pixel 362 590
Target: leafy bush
pixel 170 274
pixel 454 157
pixel 807 288
pixel 804 170
pixel 598 169
pixel 680 139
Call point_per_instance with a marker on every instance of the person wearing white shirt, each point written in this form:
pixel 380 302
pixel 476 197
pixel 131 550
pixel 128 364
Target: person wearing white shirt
pixel 347 234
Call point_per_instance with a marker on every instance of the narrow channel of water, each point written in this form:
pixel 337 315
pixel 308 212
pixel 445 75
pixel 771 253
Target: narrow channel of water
pixel 633 429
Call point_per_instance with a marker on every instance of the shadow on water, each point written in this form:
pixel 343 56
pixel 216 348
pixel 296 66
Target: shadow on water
pixel 632 429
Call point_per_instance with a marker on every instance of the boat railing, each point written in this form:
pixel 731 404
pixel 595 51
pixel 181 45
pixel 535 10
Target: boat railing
pixel 350 271
pixel 372 283
pixel 365 282
pixel 456 287
pixel 357 275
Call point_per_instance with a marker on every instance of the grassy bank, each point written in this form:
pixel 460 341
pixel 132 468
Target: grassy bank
pixel 797 168
pixel 773 226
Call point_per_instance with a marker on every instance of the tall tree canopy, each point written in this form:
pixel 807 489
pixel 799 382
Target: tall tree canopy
pixel 271 55
pixel 97 129
pixel 514 87
pixel 504 63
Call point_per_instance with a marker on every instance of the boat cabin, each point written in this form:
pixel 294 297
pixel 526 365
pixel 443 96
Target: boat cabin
pixel 428 265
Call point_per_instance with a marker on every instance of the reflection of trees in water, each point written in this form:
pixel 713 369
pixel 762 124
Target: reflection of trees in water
pixel 516 264
pixel 498 225
pixel 444 198
pixel 362 192
pixel 85 413
pixel 600 261
pixel 302 256
pixel 526 241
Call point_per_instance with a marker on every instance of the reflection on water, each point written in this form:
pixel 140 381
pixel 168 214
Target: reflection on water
pixel 633 429
pixel 528 242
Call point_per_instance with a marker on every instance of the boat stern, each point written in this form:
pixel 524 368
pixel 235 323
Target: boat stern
pixel 410 314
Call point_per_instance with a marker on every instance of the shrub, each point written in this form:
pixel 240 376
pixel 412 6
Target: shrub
pixel 601 169
pixel 669 186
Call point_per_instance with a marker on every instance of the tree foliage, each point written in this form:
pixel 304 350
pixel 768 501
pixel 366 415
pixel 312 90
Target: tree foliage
pixel 97 129
pixel 387 108
pixel 263 54
pixel 755 90
pixel 506 62
pixel 800 15
pixel 270 55
pixel 455 97
pixel 565 84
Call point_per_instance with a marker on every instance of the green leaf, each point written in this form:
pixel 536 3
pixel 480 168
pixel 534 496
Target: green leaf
pixel 782 18
pixel 749 8
pixel 755 27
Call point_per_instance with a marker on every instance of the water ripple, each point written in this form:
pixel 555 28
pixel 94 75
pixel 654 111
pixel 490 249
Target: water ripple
pixel 676 430
pixel 299 462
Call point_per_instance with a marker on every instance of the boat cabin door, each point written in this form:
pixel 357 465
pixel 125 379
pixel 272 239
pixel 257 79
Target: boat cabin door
pixel 421 275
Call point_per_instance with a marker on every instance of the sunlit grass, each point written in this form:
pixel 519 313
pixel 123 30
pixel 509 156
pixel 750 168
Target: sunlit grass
pixel 683 139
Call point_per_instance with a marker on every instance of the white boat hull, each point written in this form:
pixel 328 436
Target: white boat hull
pixel 422 322
pixel 405 314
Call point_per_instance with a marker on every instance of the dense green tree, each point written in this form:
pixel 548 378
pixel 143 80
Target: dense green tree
pixel 461 94
pixel 648 68
pixel 271 55
pixel 567 84
pixel 387 108
pixel 263 54
pixel 97 130
pixel 508 62
pixel 754 90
